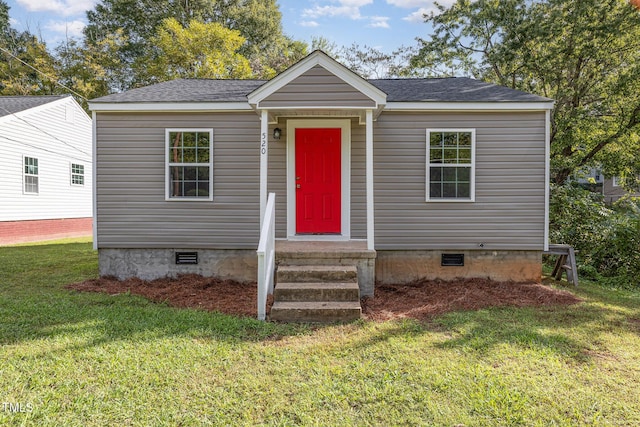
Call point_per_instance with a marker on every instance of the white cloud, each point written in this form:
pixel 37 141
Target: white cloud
pixel 311 24
pixel 379 22
pixel 423 7
pixel 425 4
pixel 409 4
pixel 418 15
pixel 319 11
pixel 355 3
pixel 71 29
pixel 346 8
pixel 59 7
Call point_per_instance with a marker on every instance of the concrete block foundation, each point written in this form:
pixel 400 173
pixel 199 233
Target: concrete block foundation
pixel 398 267
pixel 150 264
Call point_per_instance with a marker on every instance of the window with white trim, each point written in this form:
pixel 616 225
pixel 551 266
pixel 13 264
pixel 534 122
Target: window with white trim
pixel 31 179
pixel 616 181
pixel 189 164
pixel 77 174
pixel 451 164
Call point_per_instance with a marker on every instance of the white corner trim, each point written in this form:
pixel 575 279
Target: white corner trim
pixel 369 180
pixel 264 162
pixel 547 176
pixel 94 183
pixel 317 58
pixel 345 126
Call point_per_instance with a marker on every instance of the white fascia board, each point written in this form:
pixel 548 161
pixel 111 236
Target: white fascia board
pixel 170 106
pixel 318 58
pixel 37 109
pixel 469 106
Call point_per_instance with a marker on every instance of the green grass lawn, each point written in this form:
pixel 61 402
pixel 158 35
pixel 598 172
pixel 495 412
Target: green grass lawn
pixel 82 359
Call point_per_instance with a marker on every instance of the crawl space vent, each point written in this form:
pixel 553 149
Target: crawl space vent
pixel 186 257
pixel 452 260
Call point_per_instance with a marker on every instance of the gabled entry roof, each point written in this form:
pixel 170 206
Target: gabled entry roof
pixel 313 64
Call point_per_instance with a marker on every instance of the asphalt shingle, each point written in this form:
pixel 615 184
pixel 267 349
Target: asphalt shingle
pixel 453 89
pixel 15 104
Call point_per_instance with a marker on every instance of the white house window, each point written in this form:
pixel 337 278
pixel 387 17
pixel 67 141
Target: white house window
pixel 77 174
pixel 616 181
pixel 189 164
pixel 31 183
pixel 451 164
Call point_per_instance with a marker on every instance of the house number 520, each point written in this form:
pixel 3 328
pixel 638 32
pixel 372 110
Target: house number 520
pixel 263 143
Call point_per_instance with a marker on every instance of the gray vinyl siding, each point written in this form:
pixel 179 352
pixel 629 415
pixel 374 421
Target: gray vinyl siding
pixel 277 176
pixel 317 88
pixel 358 184
pixel 131 207
pixel 508 212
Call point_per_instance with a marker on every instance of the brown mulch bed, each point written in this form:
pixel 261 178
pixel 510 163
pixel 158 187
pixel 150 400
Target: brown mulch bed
pixel 423 299
pixel 419 300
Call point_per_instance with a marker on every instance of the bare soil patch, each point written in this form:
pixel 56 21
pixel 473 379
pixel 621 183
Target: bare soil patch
pixel 419 300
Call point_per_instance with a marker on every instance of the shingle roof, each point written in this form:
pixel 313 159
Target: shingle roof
pixel 188 90
pixel 15 104
pixel 454 89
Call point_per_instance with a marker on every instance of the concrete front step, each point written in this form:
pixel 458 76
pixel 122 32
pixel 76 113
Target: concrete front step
pixel 317 273
pixel 317 292
pixel 315 312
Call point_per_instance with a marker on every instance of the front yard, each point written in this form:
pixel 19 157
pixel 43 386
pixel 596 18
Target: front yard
pixel 90 359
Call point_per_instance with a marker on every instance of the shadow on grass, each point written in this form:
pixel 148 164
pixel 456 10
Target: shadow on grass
pixel 35 306
pixel 575 331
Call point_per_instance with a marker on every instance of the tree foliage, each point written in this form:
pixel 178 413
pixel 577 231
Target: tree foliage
pixel 25 62
pixel 197 51
pixel 607 238
pixel 583 54
pixel 367 61
pixel 140 24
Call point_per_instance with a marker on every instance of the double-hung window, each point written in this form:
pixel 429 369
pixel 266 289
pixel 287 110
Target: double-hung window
pixel 77 174
pixel 31 179
pixel 189 164
pixel 451 164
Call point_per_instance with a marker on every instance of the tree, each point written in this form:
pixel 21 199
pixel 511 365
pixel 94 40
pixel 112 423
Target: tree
pixel 89 70
pixel 583 54
pixel 197 51
pixel 26 67
pixel 258 21
pixel 370 62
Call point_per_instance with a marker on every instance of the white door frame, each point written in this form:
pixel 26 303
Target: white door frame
pixel 345 179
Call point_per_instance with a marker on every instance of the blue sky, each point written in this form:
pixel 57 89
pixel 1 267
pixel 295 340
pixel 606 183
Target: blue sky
pixel 383 24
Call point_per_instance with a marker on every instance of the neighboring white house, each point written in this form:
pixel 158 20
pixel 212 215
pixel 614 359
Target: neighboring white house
pixel 46 158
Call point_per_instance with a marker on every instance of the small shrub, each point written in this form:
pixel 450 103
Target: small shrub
pixel 607 238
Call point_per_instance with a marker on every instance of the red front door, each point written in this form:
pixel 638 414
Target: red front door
pixel 318 188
